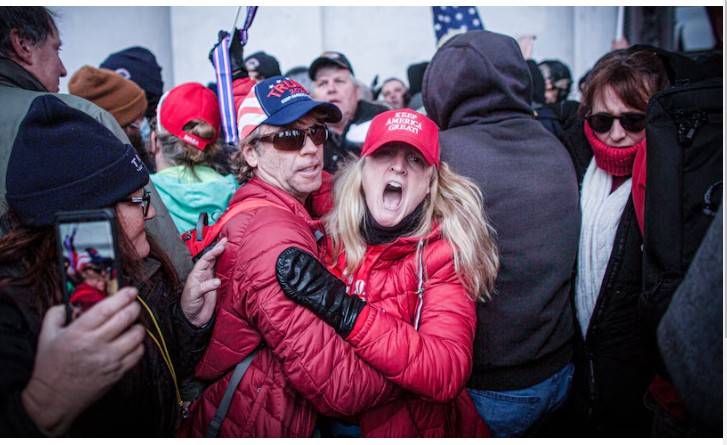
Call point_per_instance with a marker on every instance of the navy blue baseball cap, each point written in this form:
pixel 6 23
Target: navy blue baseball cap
pixel 263 63
pixel 279 101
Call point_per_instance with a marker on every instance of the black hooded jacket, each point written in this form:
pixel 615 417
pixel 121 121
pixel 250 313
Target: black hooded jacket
pixel 477 89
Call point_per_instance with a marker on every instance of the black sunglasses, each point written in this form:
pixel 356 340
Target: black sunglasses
pixel 602 122
pixel 144 201
pixel 293 139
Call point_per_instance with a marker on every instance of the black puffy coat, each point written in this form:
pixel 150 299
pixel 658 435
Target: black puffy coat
pixel 614 365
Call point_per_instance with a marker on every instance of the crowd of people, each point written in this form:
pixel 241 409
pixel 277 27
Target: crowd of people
pixel 457 257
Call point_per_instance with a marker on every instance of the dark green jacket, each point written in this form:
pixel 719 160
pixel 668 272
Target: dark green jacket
pixel 18 88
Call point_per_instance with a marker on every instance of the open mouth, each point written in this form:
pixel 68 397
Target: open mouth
pixel 393 192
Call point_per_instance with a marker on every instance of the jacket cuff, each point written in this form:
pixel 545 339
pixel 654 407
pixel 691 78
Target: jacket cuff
pixel 15 420
pixel 191 340
pixel 363 322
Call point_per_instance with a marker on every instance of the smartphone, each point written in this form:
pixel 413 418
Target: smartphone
pixel 88 257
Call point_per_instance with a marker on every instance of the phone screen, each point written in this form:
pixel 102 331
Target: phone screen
pixel 90 267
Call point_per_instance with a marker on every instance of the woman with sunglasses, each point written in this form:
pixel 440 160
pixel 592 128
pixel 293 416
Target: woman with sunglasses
pixel 116 369
pixel 192 172
pixel 608 148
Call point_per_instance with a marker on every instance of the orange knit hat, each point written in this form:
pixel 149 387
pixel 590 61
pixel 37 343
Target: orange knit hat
pixel 121 97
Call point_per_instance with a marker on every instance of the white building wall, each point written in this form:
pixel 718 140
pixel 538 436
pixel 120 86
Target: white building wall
pixel 377 40
pixel 551 25
pixel 383 41
pixel 593 30
pixel 275 30
pixel 90 34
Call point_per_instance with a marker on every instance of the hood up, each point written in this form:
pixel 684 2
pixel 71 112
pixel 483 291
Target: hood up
pixel 477 76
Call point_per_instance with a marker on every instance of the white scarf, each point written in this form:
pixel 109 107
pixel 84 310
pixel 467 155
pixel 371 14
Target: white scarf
pixel 601 213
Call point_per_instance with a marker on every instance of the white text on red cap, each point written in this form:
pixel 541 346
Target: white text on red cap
pixel 404 121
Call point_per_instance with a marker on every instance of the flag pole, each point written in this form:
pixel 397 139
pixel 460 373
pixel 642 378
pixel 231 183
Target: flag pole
pixel 620 23
pixel 237 16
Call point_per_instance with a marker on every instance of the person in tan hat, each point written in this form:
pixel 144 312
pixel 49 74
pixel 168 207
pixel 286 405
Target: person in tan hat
pixel 121 97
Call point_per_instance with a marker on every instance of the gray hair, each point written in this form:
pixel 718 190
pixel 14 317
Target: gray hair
pixel 241 168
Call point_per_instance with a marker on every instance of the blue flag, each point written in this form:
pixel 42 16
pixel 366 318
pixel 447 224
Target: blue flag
pixel 450 20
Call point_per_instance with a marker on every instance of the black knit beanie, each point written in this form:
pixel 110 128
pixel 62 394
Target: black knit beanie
pixel 139 65
pixel 63 159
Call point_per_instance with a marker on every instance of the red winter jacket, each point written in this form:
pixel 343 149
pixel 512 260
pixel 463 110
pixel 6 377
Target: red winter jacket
pixel 432 364
pixel 304 366
pixel 85 296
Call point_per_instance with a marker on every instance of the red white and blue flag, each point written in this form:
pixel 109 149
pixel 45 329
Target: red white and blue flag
pixel 223 73
pixel 452 20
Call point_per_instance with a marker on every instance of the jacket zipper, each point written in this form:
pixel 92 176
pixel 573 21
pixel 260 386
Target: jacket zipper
pixel 591 385
pixel 687 125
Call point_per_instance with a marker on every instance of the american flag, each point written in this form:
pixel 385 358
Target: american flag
pixel 451 20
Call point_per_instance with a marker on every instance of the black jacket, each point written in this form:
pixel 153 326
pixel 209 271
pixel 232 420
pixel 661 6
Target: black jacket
pixel 477 89
pixel 614 365
pixel 338 148
pixel 141 404
pixel 558 117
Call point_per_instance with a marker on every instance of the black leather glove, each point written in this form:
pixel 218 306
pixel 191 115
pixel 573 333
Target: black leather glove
pixel 308 283
pixel 237 62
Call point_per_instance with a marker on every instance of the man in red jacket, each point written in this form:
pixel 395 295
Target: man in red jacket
pixel 302 366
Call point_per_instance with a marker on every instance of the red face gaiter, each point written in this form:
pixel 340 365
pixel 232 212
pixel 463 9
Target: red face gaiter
pixel 617 161
pixel 623 161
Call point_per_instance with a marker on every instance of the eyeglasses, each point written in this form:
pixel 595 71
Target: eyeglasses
pixel 602 122
pixel 293 139
pixel 144 201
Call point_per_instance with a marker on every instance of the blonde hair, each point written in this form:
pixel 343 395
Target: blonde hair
pixel 454 201
pixel 178 152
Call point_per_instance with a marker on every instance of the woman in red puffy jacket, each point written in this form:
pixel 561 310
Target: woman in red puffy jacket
pixel 411 253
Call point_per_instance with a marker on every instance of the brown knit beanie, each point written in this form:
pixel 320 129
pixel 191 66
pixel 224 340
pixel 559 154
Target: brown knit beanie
pixel 121 97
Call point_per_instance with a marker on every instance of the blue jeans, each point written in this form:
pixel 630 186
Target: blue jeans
pixel 512 413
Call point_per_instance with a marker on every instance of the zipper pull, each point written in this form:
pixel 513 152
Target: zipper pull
pixel 688 128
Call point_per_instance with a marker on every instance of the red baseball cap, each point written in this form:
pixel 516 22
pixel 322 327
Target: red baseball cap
pixel 187 102
pixel 407 126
